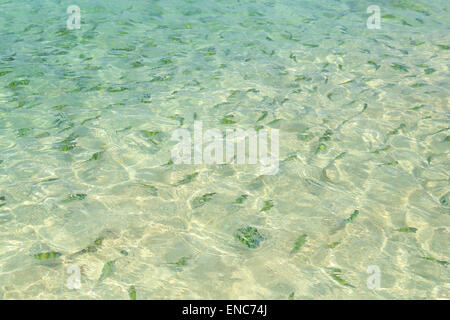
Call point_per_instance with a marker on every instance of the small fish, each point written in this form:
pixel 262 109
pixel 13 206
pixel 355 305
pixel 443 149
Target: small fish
pixel 249 236
pixel 180 263
pixel 227 119
pixel 320 147
pixel 377 66
pixel 340 156
pixel 332 245
pixel 264 115
pixel 148 133
pixel 92 248
pixel 132 293
pixel 353 216
pixel 178 118
pixel 291 296
pixel 42 135
pixel 241 199
pixel 444 263
pixel 299 243
pixel 200 201
pixel 14 84
pixel 96 156
pixel 74 197
pixel 107 269
pixel 336 276
pixel 406 229
pixel 151 188
pixel 88 249
pixel 396 130
pixel 273 122
pixel 124 129
pixel 401 67
pixel 444 201
pixel 267 205
pixel 151 135
pixel 187 179
pixel 168 163
pixel 68 144
pixel 23 132
pixel 391 163
pixel 326 136
pixel 89 119
pixel 420 106
pixel 385 148
pixel 290 158
pixel 47 255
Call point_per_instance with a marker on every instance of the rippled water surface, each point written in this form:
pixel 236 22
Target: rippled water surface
pixel 86 117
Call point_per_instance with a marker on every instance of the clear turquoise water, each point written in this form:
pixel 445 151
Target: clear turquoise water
pixel 155 65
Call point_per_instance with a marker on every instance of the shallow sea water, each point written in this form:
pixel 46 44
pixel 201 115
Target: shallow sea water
pixel 377 100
